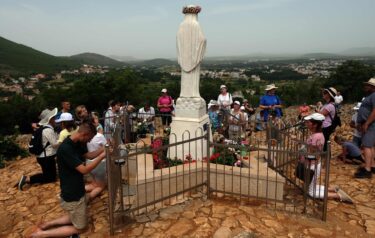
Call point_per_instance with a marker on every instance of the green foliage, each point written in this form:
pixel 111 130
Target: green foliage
pixel 19 58
pixel 9 150
pixel 348 79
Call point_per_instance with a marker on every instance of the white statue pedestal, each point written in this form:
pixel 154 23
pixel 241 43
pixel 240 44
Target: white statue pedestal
pixel 184 128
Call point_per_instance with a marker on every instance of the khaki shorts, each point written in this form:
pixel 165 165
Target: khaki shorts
pixel 77 212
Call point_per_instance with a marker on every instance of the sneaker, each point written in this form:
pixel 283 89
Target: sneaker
pixel 363 173
pixel 344 197
pixel 22 182
pixel 74 236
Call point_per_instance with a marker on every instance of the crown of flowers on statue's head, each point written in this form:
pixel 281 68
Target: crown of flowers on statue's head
pixel 192 9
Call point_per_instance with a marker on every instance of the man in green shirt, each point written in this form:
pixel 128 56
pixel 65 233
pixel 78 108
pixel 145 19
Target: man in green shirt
pixel 71 157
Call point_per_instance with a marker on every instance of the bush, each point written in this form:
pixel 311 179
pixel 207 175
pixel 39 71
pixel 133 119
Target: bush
pixel 9 150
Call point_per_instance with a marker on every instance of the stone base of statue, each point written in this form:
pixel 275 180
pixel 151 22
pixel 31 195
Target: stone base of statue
pixel 191 121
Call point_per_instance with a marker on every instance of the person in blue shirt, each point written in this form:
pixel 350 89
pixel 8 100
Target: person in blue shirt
pixel 270 103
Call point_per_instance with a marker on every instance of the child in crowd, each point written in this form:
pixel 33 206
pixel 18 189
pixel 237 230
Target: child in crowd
pixel 67 124
pixel 315 143
pixel 350 152
pixel 95 118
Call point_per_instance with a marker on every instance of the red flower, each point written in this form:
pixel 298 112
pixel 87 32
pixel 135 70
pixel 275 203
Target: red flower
pixel 214 156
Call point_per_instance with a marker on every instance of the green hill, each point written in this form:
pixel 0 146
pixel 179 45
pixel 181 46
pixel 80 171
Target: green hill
pixel 96 59
pixel 18 58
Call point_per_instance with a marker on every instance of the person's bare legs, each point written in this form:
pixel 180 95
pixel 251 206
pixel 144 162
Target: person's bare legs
pixel 369 157
pixel 89 187
pixel 97 188
pixel 62 231
pixel 63 227
pixel 64 220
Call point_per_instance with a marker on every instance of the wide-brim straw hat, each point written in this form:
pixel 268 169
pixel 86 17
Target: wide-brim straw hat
pixel 46 116
pixel 371 82
pixel 270 87
pixel 331 91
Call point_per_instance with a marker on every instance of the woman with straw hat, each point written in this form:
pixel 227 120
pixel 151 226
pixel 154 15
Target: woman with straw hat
pixel 328 110
pixel 270 103
pixel 46 159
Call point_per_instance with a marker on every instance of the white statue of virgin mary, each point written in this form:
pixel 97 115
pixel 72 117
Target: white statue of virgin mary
pixel 191 46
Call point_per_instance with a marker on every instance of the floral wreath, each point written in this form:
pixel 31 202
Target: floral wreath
pixel 191 9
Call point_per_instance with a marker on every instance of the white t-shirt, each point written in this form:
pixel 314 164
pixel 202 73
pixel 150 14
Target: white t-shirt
pixel 356 132
pixel 96 142
pixel 142 114
pixel 225 101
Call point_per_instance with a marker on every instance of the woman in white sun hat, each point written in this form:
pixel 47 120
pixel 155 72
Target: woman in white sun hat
pixel 328 110
pixel 46 159
pixel 315 143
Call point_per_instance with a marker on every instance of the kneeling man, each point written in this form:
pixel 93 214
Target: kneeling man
pixel 71 157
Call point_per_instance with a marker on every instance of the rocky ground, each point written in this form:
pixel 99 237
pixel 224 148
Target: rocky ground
pixel 197 217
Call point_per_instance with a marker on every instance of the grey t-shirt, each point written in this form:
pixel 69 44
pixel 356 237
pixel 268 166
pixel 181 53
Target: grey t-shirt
pixel 368 104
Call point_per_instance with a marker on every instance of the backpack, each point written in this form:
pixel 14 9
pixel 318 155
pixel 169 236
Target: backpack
pixel 336 120
pixel 36 143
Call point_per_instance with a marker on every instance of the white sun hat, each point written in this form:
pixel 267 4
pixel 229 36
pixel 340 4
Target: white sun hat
pixel 46 116
pixel 315 116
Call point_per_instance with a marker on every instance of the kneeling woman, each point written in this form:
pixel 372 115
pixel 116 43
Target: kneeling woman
pixel 315 143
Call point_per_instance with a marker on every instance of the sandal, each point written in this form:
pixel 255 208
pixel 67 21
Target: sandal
pixel 344 197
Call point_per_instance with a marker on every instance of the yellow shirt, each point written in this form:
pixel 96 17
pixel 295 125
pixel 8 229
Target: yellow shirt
pixel 65 133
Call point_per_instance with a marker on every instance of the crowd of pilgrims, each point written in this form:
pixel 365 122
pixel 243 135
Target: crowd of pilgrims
pixel 75 140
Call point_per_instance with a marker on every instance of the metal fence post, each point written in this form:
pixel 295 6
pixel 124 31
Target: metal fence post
pixel 110 198
pixel 208 161
pixel 326 182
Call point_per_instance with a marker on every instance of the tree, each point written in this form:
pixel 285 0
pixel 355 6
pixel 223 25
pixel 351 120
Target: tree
pixel 348 79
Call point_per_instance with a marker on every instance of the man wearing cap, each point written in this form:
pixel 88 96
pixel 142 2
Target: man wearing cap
pixel 225 98
pixel 366 120
pixel 46 159
pixel 270 103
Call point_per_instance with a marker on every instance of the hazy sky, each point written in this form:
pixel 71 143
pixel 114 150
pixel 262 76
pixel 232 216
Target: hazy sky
pixel 147 29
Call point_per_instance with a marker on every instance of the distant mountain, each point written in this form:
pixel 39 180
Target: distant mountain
pixel 123 58
pixel 359 51
pixel 16 58
pixel 96 59
pixel 156 62
pixel 321 55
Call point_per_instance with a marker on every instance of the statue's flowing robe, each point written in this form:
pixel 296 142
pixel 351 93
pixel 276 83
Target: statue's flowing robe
pixel 191 46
